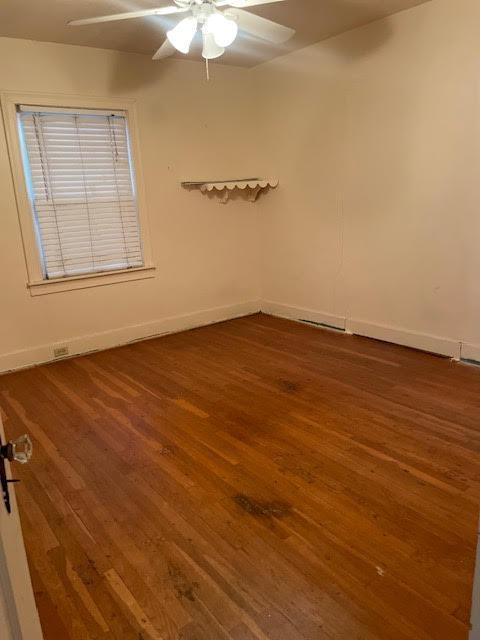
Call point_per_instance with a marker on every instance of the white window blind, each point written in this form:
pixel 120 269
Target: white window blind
pixel 81 185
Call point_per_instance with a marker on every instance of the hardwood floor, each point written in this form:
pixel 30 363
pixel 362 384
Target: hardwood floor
pixel 256 479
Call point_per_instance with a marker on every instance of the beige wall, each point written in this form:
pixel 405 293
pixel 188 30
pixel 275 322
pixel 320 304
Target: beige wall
pixel 375 138
pixel 206 254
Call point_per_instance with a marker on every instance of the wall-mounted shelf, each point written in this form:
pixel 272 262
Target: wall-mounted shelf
pixel 253 185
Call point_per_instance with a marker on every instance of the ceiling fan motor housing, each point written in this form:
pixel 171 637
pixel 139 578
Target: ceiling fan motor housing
pixel 202 10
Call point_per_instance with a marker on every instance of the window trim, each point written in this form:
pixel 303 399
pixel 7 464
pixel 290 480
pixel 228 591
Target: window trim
pixel 36 283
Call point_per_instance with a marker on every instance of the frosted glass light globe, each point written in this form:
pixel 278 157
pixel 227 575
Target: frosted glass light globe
pixel 182 35
pixel 211 50
pixel 224 30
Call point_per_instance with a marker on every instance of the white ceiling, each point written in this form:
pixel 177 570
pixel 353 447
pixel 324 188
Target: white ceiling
pixel 314 20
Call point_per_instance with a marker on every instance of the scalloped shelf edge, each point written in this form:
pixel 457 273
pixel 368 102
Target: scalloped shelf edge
pixel 255 184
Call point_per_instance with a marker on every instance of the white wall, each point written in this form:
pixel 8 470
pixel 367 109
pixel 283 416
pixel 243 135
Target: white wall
pixel 375 138
pixel 206 254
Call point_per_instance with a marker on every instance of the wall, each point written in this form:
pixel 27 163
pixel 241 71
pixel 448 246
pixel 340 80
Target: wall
pixel 206 254
pixel 375 138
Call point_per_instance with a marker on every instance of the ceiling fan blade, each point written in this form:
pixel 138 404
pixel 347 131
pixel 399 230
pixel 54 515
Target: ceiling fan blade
pixel 162 11
pixel 261 27
pixel 166 50
pixel 241 4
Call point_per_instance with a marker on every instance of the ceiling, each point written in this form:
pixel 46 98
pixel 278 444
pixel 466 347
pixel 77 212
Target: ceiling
pixel 314 20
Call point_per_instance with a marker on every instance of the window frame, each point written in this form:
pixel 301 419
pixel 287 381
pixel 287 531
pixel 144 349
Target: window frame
pixel 36 283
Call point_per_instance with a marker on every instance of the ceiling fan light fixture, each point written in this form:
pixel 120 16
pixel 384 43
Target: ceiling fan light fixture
pixel 182 35
pixel 219 27
pixel 223 29
pixel 211 50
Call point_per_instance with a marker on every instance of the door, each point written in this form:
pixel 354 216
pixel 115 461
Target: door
pixel 18 613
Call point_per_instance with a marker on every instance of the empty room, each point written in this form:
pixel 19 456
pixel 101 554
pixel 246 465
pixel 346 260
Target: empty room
pixel 239 319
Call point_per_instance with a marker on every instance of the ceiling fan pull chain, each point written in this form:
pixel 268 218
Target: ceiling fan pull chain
pixel 208 69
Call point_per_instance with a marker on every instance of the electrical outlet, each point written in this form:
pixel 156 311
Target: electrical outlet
pixel 60 352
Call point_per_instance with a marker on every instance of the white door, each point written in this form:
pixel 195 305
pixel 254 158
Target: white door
pixel 18 613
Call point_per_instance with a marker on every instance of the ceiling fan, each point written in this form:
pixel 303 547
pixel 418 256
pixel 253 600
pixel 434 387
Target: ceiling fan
pixel 219 28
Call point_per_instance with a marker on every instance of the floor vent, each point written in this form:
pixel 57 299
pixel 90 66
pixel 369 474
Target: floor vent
pixel 322 325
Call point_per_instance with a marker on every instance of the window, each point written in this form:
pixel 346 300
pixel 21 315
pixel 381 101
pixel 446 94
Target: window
pixel 81 188
pixel 81 213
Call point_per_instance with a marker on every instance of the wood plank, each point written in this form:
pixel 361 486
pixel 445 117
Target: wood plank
pixel 257 479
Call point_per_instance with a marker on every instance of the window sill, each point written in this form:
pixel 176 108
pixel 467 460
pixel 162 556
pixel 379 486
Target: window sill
pixel 71 283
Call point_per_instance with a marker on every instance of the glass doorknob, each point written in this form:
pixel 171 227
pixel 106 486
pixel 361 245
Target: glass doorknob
pixel 19 450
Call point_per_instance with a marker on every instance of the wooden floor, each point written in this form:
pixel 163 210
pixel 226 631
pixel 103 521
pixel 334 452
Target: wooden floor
pixel 256 479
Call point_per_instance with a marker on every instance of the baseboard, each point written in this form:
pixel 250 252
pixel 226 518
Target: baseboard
pixel 117 337
pixel 406 338
pixel 396 335
pixel 300 314
pixel 470 352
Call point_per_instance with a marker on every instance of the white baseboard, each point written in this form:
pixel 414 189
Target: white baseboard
pixel 406 338
pixel 106 340
pixel 470 352
pixel 116 337
pixel 396 335
pixel 297 313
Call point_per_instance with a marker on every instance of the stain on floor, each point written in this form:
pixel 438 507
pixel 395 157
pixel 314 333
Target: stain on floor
pixel 276 509
pixel 183 587
pixel 288 386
